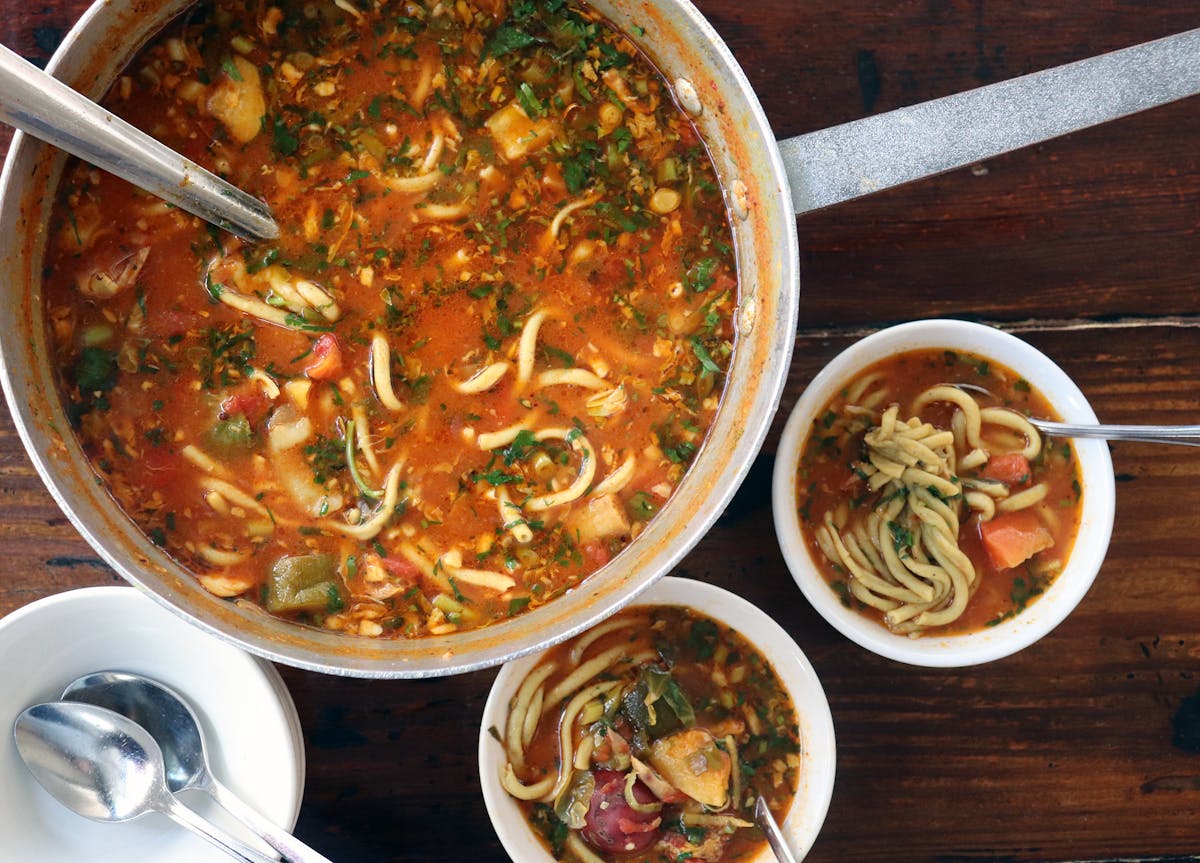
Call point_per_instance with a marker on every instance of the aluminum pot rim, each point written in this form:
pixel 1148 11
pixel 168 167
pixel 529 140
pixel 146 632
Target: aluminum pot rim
pixel 757 195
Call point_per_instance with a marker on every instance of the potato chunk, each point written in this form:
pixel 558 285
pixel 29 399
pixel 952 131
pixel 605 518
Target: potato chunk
pixel 603 517
pixel 516 135
pixel 691 761
pixel 237 101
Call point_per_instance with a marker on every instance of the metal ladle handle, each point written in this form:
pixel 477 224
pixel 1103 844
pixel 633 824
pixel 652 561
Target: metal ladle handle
pixel 49 110
pixel 875 153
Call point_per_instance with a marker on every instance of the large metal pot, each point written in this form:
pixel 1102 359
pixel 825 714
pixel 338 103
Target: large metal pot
pixel 822 168
pixel 91 56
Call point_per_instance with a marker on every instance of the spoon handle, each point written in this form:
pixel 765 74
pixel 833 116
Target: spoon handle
pixel 51 111
pixel 206 829
pixel 292 849
pixel 1182 435
pixel 762 814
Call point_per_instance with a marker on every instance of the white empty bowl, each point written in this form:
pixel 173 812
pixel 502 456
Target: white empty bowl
pixel 817 758
pixel 249 722
pixel 1096 478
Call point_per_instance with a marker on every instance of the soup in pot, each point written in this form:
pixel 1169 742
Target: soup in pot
pixel 483 352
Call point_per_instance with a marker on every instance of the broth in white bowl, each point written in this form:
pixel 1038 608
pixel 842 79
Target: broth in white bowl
pixel 698 636
pixel 1022 522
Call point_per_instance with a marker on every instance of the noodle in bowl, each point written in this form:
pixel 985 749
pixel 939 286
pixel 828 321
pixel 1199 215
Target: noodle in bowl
pixel 914 468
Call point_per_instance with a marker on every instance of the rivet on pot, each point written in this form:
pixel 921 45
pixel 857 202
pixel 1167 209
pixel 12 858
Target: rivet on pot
pixel 747 315
pixel 739 200
pixel 687 96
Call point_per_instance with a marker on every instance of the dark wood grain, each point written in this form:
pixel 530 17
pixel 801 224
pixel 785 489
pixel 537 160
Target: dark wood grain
pixel 1086 246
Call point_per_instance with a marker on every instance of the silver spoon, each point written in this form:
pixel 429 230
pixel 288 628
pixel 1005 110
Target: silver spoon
pixel 107 768
pixel 1181 435
pixel 169 719
pixel 49 110
pixel 765 820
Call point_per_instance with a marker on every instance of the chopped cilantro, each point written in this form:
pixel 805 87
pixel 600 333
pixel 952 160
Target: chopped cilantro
pixel 902 537
pixel 559 354
pixel 520 447
pixel 641 506
pixel 505 40
pixel 215 289
pixel 283 140
pixel 96 370
pixel 517 604
pixel 231 69
pixel 326 456
pixel 334 603
pixel 701 275
pixel 529 101
pixel 702 639
pixel 299 322
pixel 704 356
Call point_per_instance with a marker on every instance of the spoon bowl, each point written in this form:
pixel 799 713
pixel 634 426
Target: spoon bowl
pixel 41 105
pixel 89 762
pixel 242 702
pixel 173 725
pixel 159 710
pixel 106 767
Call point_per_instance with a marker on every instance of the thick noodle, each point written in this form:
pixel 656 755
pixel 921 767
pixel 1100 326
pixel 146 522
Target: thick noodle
pixel 903 557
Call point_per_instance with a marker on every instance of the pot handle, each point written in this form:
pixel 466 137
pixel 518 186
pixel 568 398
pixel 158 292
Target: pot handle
pixel 875 153
pixel 49 110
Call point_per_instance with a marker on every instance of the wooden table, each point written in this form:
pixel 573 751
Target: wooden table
pixel 1088 247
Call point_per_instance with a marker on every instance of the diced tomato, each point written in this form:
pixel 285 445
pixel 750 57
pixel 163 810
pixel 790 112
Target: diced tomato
pixel 1012 469
pixel 251 404
pixel 1013 538
pixel 595 555
pixel 327 359
pixel 400 568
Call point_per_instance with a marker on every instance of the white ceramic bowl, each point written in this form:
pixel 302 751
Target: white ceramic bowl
pixel 1096 474
pixel 249 722
pixel 818 756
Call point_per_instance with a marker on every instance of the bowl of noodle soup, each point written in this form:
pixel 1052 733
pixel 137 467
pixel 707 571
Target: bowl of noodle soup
pixel 921 514
pixel 685 632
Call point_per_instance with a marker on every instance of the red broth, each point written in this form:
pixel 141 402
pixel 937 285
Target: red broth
pixel 1015 556
pixel 480 357
pixel 674 706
